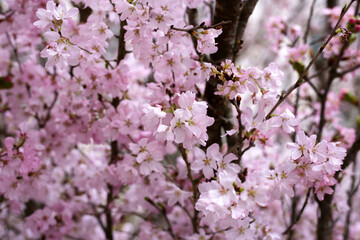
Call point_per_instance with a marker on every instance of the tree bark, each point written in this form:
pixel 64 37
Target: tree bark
pixel 246 11
pixel 225 10
pixel 325 221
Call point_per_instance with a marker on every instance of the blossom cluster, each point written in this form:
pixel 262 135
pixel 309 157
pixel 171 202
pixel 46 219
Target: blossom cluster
pixel 317 162
pixel 59 50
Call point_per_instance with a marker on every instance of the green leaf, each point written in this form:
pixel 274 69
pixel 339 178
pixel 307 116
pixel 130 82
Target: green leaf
pixel 352 38
pixel 298 66
pixel 5 82
pixel 350 98
pixel 358 121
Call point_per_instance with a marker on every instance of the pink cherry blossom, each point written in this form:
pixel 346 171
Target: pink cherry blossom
pixel 286 121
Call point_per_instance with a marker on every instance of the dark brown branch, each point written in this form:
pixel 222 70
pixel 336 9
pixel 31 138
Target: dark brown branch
pixel 309 21
pixel 340 74
pixel 299 214
pixel 7 16
pixel 246 11
pixel 331 3
pixel 192 17
pixel 226 10
pixel 318 72
pixel 16 55
pixel 356 10
pixel 325 220
pixel 109 221
pixel 84 12
pixel 194 219
pixel 201 26
pixel 121 48
pixel 307 80
pixel 43 121
pixel 323 98
pixel 240 140
pixel 98 218
pixel 162 210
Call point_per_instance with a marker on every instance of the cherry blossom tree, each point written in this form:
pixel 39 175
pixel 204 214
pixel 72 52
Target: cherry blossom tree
pixel 179 119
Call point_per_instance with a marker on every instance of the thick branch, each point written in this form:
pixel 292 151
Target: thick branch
pixel 109 222
pixel 246 11
pixel 121 48
pixel 325 223
pixel 226 10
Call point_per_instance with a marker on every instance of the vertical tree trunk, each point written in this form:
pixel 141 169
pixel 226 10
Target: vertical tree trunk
pixel 225 10
pixel 325 221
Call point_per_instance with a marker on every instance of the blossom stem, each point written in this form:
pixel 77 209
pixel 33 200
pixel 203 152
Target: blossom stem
pixel 194 219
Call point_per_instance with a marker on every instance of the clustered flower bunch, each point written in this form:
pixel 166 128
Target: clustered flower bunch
pixel 108 132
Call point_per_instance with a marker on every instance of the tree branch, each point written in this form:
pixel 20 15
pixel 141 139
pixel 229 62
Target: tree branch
pixel 321 49
pixel 246 11
pixel 194 219
pixel 299 214
pixel 226 10
pixel 121 48
pixel 309 21
pixel 340 74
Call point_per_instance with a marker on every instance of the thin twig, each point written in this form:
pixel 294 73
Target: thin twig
pixel 201 26
pixel 247 148
pixel 299 214
pixel 98 217
pixel 107 62
pixel 323 99
pixel 16 55
pixel 7 15
pixel 318 72
pixel 194 220
pixel 313 87
pixel 240 142
pixel 218 115
pixel 309 22
pixel 321 49
pixel 319 39
pixel 162 210
pixel 340 74
pixel 42 122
